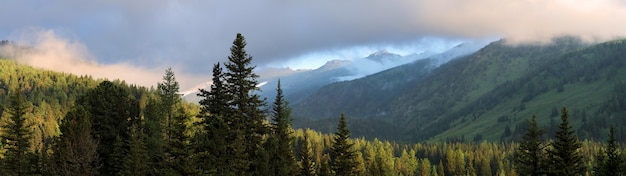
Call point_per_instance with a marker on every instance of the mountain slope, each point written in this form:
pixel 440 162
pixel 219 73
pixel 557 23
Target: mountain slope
pixel 494 90
pixel 50 95
pixel 589 81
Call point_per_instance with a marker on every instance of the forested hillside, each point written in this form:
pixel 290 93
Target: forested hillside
pixel 50 95
pixel 99 127
pixel 486 95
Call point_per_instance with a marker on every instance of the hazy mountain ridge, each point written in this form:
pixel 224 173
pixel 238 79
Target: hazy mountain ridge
pixel 303 84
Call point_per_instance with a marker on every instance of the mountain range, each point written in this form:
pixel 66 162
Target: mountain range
pixel 299 84
pixel 488 94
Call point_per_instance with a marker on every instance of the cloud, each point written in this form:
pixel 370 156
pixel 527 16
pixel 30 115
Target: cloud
pixel 194 34
pixel 527 20
pixel 48 51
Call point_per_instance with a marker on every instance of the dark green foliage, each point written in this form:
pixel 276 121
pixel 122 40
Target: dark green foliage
pixel 179 149
pixel 115 162
pixel 169 97
pixel 566 150
pixel 307 166
pixel 154 136
pixel 342 154
pixel 75 150
pixel 231 115
pixel 112 113
pixel 16 136
pixel 282 159
pixel 609 161
pixel 135 162
pixel 247 121
pixel 212 145
pixel 530 155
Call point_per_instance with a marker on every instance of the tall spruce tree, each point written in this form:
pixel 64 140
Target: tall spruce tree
pixel 247 121
pixel 565 150
pixel 75 150
pixel 282 159
pixel 17 134
pixel 530 154
pixel 232 112
pixel 343 157
pixel 214 146
pixel 169 97
pixel 158 115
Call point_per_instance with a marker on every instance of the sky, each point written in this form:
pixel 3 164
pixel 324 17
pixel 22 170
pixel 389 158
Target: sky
pixel 137 40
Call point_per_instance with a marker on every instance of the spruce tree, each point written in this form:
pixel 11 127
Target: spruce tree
pixel 158 115
pixel 247 121
pixel 342 154
pixel 325 168
pixel 282 159
pixel 75 150
pixel 155 136
pixel 609 162
pixel 306 158
pixel 112 112
pixel 565 149
pixel 17 134
pixel 135 161
pixel 179 148
pixel 530 154
pixel 214 146
pixel 440 168
pixel 232 112
pixel 169 97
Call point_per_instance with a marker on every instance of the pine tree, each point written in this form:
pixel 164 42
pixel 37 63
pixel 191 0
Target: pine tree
pixel 425 167
pixel 342 154
pixel 247 122
pixel 117 159
pixel 306 158
pixel 17 133
pixel 214 146
pixel 179 148
pixel 112 113
pixel 216 101
pixel 233 106
pixel 599 167
pixel 158 115
pixel 155 136
pixel 567 158
pixel 282 159
pixel 610 162
pixel 530 154
pixel 75 151
pixel 440 169
pixel 169 97
pixel 135 161
pixel 325 168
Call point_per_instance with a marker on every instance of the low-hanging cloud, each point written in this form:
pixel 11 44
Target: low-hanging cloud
pixel 194 34
pixel 44 49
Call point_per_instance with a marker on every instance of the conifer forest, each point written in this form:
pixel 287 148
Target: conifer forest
pixel 62 124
